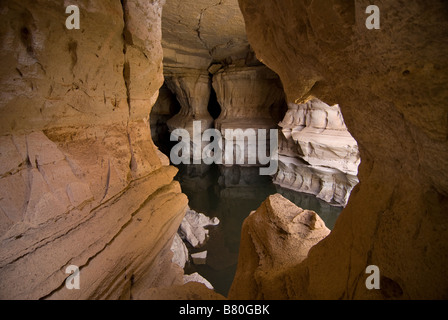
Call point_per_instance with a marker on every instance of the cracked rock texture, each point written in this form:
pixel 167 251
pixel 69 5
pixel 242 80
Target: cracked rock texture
pixel 81 182
pixel 199 38
pixel 195 33
pixel 391 87
pixel 206 48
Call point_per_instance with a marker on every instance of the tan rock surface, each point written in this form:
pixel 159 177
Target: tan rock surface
pixel 275 238
pixel 192 89
pixel 390 85
pixel 188 291
pixel 81 181
pixel 197 32
pixel 246 95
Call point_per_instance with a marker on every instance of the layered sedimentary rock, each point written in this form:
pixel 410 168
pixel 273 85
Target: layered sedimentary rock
pixel 205 43
pixel 317 153
pixel 320 136
pixel 81 182
pixel 247 96
pixel 265 256
pixel 165 108
pixel 390 85
pixel 328 184
pixel 201 38
pixel 199 33
pixel 192 89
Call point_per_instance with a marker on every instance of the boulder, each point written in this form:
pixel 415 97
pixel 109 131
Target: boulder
pixel 192 228
pixel 199 257
pixel 275 239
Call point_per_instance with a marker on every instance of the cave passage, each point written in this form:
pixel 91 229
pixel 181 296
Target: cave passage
pixel 219 82
pixel 213 106
pixel 230 194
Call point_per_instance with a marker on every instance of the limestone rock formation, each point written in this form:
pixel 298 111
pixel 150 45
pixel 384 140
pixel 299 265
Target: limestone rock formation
pixel 205 39
pixel 192 228
pixel 320 136
pixel 391 87
pixel 199 33
pixel 192 89
pixel 81 182
pixel 317 153
pixel 275 238
pixel 196 277
pixel 246 96
pixel 180 252
pixel 328 184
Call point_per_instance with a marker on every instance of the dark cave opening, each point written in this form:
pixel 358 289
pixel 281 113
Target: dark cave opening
pixel 213 105
pixel 164 109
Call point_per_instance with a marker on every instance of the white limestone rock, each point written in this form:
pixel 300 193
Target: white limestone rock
pixel 180 252
pixel 192 228
pixel 317 153
pixel 199 258
pixel 328 184
pixel 320 137
pixel 196 277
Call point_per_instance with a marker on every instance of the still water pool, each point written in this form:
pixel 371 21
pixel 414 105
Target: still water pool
pixel 231 194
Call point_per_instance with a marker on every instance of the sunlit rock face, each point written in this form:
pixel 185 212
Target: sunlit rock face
pixel 321 137
pixel 81 182
pixel 317 153
pixel 390 85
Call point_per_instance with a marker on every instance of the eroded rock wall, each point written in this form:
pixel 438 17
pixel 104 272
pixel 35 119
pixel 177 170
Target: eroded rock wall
pixel 317 153
pixel 81 181
pixel 390 85
pixel 192 88
pixel 247 96
pixel 201 40
pixel 206 54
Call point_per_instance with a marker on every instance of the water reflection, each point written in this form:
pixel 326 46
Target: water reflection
pixel 231 193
